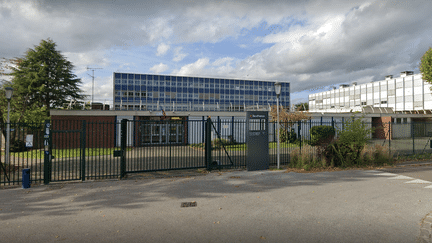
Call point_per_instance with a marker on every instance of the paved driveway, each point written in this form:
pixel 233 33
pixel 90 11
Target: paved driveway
pixel 239 206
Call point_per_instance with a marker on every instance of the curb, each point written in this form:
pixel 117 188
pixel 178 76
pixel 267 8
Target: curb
pixel 426 229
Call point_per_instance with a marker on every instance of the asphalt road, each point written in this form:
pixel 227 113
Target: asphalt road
pixel 417 170
pixel 240 206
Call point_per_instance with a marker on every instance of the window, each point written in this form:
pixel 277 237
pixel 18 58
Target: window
pixel 143 94
pixel 363 103
pixel 131 94
pixel 384 102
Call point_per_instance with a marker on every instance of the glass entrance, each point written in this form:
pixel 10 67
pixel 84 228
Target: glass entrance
pixel 161 133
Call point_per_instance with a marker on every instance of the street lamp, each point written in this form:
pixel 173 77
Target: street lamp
pixel 9 92
pixel 278 87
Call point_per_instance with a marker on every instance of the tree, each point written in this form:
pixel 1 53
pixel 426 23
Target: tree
pixel 302 106
pixel 426 66
pixel 287 120
pixel 43 78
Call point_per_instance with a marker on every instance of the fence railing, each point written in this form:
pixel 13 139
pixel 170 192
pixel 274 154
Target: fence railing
pixel 80 150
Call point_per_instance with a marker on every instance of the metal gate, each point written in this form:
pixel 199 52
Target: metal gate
pixel 66 156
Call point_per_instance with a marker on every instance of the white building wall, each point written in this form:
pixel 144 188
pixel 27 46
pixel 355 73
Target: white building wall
pixel 404 93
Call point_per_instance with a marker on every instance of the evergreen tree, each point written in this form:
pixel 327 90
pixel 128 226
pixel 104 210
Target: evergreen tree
pixel 43 78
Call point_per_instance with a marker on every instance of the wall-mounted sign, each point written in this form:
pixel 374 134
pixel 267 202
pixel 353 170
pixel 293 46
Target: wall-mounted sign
pixel 29 141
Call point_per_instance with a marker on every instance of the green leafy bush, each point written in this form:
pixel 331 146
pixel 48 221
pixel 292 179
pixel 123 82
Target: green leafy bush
pixel 18 146
pixel 322 134
pixel 286 136
pixel 346 149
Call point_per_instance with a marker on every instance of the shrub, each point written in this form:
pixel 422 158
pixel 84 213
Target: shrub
pixel 18 146
pixel 219 142
pixel 286 136
pixel 375 155
pixel 322 134
pixel 306 158
pixel 346 150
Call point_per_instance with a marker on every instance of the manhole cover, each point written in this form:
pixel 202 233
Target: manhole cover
pixel 188 204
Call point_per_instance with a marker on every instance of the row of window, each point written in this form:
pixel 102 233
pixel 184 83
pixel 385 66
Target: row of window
pixel 144 94
pixel 181 108
pixel 149 101
pixel 148 77
pixel 207 86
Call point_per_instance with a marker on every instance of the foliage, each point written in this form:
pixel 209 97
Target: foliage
pixel 287 120
pixel 20 112
pixel 414 157
pixel 18 146
pixel 306 157
pixel 287 137
pixel 44 78
pixel 302 106
pixel 243 146
pixel 287 117
pixel 218 143
pixel 309 157
pixel 426 66
pixel 346 149
pixel 322 134
pixel 375 155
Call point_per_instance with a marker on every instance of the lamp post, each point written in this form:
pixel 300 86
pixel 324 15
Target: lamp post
pixel 9 92
pixel 278 87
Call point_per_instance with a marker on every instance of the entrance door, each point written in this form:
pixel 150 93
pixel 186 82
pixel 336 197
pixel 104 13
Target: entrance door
pixel 161 133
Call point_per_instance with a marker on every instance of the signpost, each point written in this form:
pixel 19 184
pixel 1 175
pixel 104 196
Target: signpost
pixel 257 140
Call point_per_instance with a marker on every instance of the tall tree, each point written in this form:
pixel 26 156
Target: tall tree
pixel 302 106
pixel 44 78
pixel 426 66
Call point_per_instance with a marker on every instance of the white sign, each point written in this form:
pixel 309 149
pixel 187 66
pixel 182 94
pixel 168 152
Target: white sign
pixel 29 140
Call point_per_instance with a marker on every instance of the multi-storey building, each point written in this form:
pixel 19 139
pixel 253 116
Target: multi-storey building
pixel 407 93
pixel 179 93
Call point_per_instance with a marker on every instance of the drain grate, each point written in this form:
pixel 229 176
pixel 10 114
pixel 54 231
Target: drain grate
pixel 188 204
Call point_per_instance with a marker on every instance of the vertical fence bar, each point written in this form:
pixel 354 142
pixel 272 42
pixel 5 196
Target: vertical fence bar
pixel 208 146
pixel 390 136
pixel 83 148
pixel 299 135
pixel 412 134
pixel 123 135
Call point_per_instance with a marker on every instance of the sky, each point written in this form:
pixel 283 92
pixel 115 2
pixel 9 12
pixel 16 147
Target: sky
pixel 312 44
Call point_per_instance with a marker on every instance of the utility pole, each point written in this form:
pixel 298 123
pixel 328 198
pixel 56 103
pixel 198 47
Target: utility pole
pixel 93 69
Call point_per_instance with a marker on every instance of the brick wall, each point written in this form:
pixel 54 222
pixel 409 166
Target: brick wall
pixel 100 131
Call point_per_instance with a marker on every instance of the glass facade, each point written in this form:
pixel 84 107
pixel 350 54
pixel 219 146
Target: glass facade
pixel 179 93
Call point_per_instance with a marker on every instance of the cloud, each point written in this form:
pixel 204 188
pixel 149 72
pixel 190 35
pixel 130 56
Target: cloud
pixel 320 43
pixel 178 54
pixel 159 68
pixel 162 49
pixel 195 68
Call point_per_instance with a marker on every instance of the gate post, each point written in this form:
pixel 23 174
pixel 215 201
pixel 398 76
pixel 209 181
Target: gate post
pixel 83 147
pixel 123 136
pixel 47 145
pixel 208 145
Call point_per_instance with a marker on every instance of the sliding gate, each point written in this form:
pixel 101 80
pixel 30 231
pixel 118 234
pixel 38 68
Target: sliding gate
pixel 162 145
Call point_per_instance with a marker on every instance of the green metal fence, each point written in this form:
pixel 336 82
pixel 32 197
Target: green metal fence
pixel 80 150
